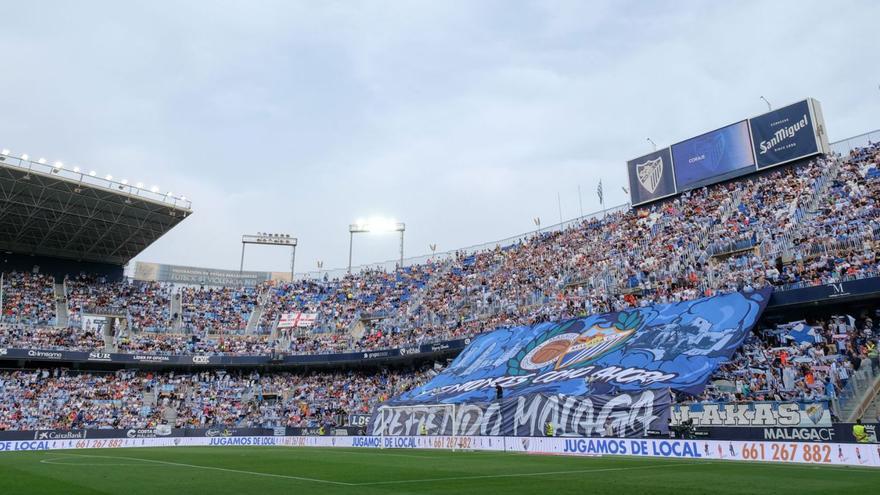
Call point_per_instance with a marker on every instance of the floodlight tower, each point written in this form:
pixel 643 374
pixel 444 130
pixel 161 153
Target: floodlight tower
pixel 268 239
pixel 374 225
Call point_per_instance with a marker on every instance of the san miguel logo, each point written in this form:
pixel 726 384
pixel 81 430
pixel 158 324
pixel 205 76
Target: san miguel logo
pixel 650 173
pixel 563 349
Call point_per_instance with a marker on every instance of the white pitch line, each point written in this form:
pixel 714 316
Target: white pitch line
pixel 56 461
pixel 212 468
pixel 522 475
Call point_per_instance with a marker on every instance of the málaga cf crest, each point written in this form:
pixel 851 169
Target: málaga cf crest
pixel 560 349
pixel 650 173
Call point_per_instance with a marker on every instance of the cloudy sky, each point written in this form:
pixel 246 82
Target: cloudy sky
pixel 462 119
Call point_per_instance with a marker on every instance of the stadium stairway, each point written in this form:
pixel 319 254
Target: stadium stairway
pixel 254 319
pixel 176 309
pixel 356 329
pixel 865 399
pixel 62 317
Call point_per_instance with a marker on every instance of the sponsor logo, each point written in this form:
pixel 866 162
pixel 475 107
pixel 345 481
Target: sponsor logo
pixel 439 347
pixel 377 354
pixel 44 354
pixel 2 351
pixel 59 435
pixel 155 358
pixel 803 434
pixel 201 359
pixel 838 290
pixel 559 349
pixel 99 356
pixel 784 134
pixel 374 442
pixel 408 351
pixel 649 173
pixel 216 432
pixel 159 431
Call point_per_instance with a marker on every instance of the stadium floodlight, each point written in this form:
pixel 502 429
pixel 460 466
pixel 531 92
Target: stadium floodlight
pixel 652 143
pixel 376 225
pixel 139 185
pixel 76 169
pixel 124 182
pixel 769 106
pixel 24 156
pixel 41 161
pixel 5 151
pixel 269 239
pixel 154 189
pixel 92 173
pixel 58 165
pixel 108 177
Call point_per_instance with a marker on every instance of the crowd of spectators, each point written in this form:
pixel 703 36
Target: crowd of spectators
pixel 64 399
pixel 28 298
pixel 147 305
pixel 814 223
pixel 50 338
pixel 802 361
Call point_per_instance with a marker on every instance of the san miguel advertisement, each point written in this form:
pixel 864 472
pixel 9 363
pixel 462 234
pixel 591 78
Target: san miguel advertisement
pixel 784 135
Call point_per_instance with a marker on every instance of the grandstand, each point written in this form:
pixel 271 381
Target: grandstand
pixel 718 332
pixel 767 284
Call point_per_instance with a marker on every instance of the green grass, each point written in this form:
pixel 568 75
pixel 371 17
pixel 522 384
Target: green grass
pixel 269 470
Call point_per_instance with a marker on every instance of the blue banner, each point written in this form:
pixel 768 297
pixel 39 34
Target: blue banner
pixel 664 346
pixel 784 135
pixel 712 157
pixel 650 177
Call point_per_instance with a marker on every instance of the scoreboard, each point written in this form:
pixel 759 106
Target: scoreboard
pixel 781 136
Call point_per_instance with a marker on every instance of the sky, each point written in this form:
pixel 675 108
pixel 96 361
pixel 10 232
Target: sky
pixel 464 119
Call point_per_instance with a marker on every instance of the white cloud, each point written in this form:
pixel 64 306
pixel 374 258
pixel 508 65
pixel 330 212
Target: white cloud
pixel 463 119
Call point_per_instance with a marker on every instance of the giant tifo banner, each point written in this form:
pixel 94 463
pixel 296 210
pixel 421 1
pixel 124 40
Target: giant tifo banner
pixel 623 415
pixel 657 347
pixel 582 373
pixel 780 136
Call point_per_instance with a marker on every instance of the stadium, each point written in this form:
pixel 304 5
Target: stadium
pixel 716 332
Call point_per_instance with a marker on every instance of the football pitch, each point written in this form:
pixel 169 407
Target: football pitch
pixel 269 470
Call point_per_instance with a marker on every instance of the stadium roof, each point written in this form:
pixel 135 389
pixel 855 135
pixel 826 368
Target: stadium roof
pixel 47 210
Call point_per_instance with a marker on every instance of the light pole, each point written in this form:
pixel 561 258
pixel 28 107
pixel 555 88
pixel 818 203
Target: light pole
pixel 652 143
pixel 374 225
pixel 769 106
pixel 267 239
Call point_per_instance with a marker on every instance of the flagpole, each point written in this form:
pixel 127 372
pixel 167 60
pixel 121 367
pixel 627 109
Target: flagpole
pixel 580 201
pixel 559 202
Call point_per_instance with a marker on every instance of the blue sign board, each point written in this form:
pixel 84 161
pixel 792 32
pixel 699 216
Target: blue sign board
pixel 651 177
pixel 784 135
pixel 712 157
